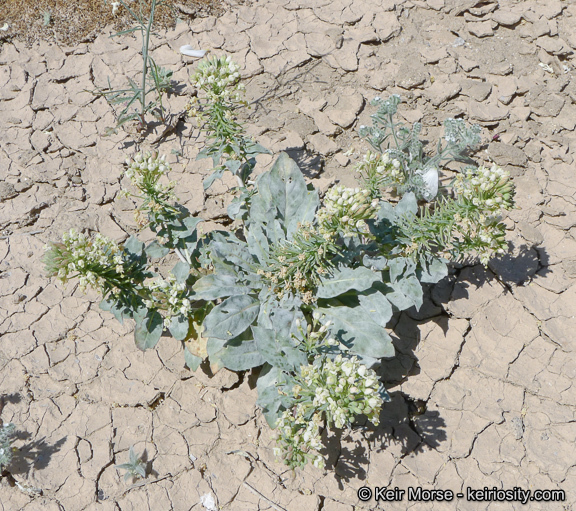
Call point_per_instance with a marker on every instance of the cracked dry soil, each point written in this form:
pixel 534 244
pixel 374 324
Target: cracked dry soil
pixel 482 386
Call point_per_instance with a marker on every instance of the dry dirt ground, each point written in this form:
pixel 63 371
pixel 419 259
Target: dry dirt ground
pixel 483 391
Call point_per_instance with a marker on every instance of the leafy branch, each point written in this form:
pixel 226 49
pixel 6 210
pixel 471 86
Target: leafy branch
pixel 410 169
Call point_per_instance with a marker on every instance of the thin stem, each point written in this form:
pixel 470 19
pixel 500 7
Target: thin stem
pixel 129 10
pixel 393 129
pixel 181 256
pixel 146 42
pixel 438 158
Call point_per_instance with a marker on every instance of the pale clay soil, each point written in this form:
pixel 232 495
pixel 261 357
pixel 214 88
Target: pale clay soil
pixel 482 386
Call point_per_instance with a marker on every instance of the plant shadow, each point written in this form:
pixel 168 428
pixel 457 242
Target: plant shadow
pixel 406 426
pixel 310 164
pixel 33 454
pixel 520 266
pixel 290 82
pixel 150 471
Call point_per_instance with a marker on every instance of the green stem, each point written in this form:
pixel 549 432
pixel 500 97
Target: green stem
pixel 146 42
pixel 393 129
pixel 183 257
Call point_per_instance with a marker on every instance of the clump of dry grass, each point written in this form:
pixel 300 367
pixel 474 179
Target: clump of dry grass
pixel 68 22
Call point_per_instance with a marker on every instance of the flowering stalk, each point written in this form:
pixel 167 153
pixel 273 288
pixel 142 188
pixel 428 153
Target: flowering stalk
pixel 145 172
pixel 468 223
pixel 97 262
pixel 332 391
pixel 345 211
pixel 297 264
pixel 156 210
pixel 218 79
pixel 100 263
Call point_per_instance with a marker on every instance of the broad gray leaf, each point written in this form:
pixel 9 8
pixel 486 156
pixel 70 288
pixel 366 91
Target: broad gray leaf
pixel 344 279
pixel 232 317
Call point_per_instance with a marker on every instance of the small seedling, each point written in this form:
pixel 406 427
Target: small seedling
pixel 47 18
pixel 135 469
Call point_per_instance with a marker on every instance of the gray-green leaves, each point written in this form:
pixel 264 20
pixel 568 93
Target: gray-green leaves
pixel 214 286
pixel 414 170
pixel 179 327
pixel 135 468
pixel 283 195
pixel 6 436
pixel 360 331
pixel 241 355
pixel 148 329
pixel 345 279
pixel 278 350
pixel 377 307
pixel 231 317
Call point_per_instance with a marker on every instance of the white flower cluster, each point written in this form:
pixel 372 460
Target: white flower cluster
pixel 96 260
pixel 485 234
pixel 345 210
pixel 489 189
pixel 490 240
pixel 169 296
pixel 382 165
pixel 341 388
pixel 144 172
pixel 346 387
pixel 297 436
pixel 380 170
pixel 485 191
pixel 218 78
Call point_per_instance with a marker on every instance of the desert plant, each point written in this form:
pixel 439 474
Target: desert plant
pixel 135 468
pixel 305 289
pixel 218 81
pixel 6 450
pixel 404 165
pixel 155 79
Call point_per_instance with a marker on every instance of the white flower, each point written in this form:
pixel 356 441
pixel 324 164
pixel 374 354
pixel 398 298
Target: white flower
pixel 373 402
pixel 115 6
